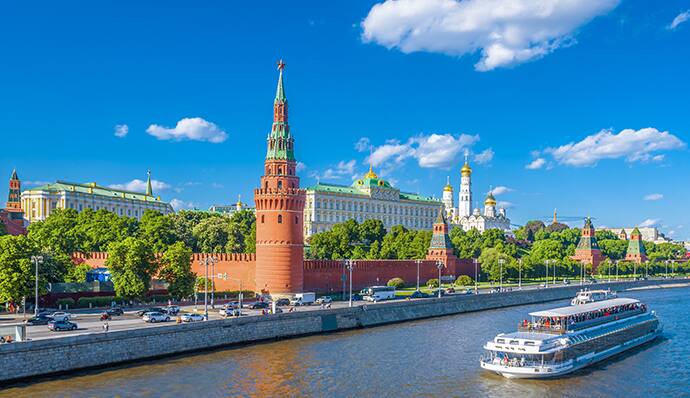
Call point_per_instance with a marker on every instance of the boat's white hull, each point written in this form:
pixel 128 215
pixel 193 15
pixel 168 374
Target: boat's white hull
pixel 515 372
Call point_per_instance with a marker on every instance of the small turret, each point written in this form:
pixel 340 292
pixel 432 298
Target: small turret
pixel 149 188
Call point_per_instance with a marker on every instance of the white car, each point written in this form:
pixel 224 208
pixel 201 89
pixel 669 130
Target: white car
pixel 192 318
pixel 324 300
pixel 153 317
pixel 61 316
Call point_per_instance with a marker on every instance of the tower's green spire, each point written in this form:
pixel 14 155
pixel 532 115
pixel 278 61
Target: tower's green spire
pixel 14 175
pixel 280 90
pixel 149 189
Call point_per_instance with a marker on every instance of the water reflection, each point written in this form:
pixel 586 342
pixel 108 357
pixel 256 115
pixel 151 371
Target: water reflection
pixel 435 357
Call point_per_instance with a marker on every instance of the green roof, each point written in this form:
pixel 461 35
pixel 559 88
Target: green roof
pixel 354 190
pixel 93 189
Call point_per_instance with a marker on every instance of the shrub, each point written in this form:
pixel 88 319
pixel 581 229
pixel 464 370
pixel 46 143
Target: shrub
pixel 464 280
pixel 398 283
pixel 432 283
pixel 65 302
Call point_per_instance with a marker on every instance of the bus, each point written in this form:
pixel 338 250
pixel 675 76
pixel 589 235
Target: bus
pixel 376 293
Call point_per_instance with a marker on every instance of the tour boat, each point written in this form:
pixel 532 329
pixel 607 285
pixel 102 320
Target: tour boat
pixel 590 296
pixel 559 341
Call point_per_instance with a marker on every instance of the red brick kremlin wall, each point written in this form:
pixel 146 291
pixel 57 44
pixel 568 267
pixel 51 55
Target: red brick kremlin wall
pixel 322 276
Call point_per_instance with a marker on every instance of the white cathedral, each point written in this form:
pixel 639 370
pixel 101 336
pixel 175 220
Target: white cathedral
pixel 463 215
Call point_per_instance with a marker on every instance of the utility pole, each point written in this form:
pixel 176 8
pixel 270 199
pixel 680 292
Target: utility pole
pixel 476 277
pixel 213 281
pixel 349 268
pixel 439 265
pixel 520 274
pixel 36 260
pixel 205 262
pixel 500 285
pixel 418 261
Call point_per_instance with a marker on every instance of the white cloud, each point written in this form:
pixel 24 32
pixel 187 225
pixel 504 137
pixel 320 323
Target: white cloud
pixel 500 190
pixel 650 222
pixel 537 163
pixel 339 171
pixel 35 183
pixel 679 19
pixel 178 204
pixel 430 151
pixel 506 32
pixel 195 129
pixel 137 185
pixel 362 144
pixel 121 130
pixel 300 167
pixel 217 185
pixel 484 156
pixel 632 145
pixel 505 204
pixel 654 196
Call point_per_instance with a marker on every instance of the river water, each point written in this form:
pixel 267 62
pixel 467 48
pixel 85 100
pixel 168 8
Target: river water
pixel 428 358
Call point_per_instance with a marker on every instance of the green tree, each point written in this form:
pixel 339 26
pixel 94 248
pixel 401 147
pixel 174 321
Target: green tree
pixel 58 233
pixel 17 272
pixel 398 283
pixel 245 222
pixel 176 269
pixel 464 280
pixel 157 230
pixel 371 231
pixel 212 235
pixel 99 228
pixel 77 273
pixel 613 248
pixel 183 222
pixel 132 264
pixel 490 260
pixel 605 235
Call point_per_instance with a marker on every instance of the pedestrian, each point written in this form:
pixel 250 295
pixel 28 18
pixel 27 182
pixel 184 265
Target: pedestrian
pixel 105 327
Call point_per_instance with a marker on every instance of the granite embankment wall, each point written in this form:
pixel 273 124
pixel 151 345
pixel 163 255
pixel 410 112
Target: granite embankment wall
pixel 42 357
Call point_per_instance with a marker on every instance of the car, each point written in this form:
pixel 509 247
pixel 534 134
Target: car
pixel 418 294
pixel 39 320
pixel 58 326
pixel 258 305
pixel 231 305
pixel 278 311
pixel 450 290
pixel 191 317
pixel 323 300
pixel 115 311
pixel 282 302
pixel 61 316
pixel 226 312
pixel 172 309
pixel 153 317
pixel 150 309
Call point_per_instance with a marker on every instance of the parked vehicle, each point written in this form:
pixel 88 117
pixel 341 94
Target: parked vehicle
pixel 282 302
pixel 303 299
pixel 192 317
pixel 105 316
pixel 418 294
pixel 115 311
pixel 153 317
pixel 258 305
pixel 39 320
pixel 172 309
pixel 61 316
pixel 150 309
pixel 434 293
pixel 226 312
pixel 377 293
pixel 231 305
pixel 58 326
pixel 324 300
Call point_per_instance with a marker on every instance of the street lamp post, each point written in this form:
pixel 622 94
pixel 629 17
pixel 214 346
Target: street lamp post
pixel 205 262
pixel 418 261
pixel 213 282
pixel 582 273
pixel 500 284
pixel 616 270
pixel 546 264
pixel 36 260
pixel 520 274
pixel 349 268
pixel 239 296
pixel 666 263
pixel 439 265
pixel 476 277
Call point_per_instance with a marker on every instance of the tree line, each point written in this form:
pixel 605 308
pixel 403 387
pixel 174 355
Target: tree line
pixel 157 244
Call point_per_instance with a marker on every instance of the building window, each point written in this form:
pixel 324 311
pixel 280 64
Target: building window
pixel 262 218
pixel 296 220
pixel 280 218
pixel 280 185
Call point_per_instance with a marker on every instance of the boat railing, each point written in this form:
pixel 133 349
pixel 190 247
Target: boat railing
pixel 517 363
pixel 604 319
pixel 534 327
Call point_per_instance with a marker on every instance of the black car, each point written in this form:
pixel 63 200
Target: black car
pixel 115 311
pixel 141 313
pixel 418 294
pixel 57 326
pixel 259 305
pixel 282 302
pixel 39 320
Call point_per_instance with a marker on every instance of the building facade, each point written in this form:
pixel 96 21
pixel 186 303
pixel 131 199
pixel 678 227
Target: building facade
pixel 368 198
pixel 280 208
pixel 229 210
pixel 648 234
pixel 491 218
pixel 38 203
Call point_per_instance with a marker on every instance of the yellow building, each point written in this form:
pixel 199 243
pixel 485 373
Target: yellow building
pixel 39 202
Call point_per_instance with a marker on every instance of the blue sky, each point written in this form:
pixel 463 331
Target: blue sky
pixel 595 95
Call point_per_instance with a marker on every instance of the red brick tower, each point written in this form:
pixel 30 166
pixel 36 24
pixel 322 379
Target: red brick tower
pixel 636 251
pixel 587 250
pixel 441 247
pixel 14 198
pixel 279 208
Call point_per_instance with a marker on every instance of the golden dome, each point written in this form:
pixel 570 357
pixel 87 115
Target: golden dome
pixel 490 201
pixel 466 170
pixel 448 188
pixel 370 173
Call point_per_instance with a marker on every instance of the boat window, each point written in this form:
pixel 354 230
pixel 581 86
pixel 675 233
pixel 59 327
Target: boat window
pixel 500 341
pixel 514 342
pixel 529 343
